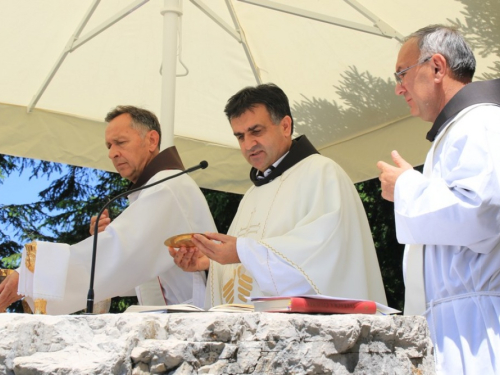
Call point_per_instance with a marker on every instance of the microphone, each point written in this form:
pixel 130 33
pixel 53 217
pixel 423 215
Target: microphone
pixel 90 297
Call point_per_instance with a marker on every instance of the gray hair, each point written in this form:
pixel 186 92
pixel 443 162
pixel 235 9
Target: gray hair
pixel 142 119
pixel 448 42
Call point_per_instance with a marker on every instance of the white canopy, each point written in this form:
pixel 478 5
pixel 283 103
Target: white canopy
pixel 65 63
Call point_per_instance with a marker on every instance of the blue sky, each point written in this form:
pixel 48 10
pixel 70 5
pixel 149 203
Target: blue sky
pixel 18 189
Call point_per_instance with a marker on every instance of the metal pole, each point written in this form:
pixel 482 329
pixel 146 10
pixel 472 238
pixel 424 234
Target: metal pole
pixel 171 12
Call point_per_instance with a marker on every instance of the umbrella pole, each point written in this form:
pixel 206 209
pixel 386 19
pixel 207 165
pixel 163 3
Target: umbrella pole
pixel 171 12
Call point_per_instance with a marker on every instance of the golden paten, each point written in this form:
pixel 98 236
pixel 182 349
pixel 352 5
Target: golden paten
pixel 181 240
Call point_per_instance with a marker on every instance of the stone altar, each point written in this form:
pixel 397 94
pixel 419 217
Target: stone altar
pixel 214 343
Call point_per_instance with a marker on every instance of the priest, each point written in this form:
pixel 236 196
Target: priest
pixel 130 249
pixel 449 215
pixel 301 227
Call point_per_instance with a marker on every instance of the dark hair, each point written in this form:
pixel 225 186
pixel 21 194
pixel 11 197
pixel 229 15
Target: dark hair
pixel 142 119
pixel 448 42
pixel 270 95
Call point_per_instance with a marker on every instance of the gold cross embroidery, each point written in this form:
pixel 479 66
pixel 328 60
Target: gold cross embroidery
pixel 243 283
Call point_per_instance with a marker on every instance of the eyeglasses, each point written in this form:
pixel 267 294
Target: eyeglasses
pixel 399 75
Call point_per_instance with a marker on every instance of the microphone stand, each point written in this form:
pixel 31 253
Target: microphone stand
pixel 90 297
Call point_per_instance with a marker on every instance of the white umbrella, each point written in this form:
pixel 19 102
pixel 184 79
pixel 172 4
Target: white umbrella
pixel 65 63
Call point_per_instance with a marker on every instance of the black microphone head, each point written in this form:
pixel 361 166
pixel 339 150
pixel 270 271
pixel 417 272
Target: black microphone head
pixel 203 164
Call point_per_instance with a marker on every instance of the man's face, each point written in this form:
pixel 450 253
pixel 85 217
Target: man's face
pixel 261 141
pixel 129 149
pixel 417 86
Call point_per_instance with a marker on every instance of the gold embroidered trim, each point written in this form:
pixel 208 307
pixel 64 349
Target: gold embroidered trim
pixel 245 285
pixel 211 274
pixel 246 278
pixel 239 283
pixel 244 291
pixel 228 285
pixel 228 291
pixel 316 289
pixel 270 272
pixel 271 206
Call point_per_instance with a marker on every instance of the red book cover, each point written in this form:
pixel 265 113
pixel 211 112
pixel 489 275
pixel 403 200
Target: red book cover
pixel 316 305
pixel 330 306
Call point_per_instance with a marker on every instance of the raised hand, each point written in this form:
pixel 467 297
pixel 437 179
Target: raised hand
pixel 104 221
pixel 389 174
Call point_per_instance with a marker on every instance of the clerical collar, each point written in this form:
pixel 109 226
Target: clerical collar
pixel 471 94
pixel 301 148
pixel 167 159
pixel 271 168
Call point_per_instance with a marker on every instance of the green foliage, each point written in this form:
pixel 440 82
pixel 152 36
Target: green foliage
pixel 380 215
pixel 16 307
pixel 11 261
pixel 63 211
pixel 7 165
pixel 8 249
pixel 120 304
pixel 223 207
pixel 76 197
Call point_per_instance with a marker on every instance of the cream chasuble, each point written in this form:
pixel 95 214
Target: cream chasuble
pixel 312 218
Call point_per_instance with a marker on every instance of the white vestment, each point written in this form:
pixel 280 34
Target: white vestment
pixel 131 250
pixel 304 232
pixel 454 210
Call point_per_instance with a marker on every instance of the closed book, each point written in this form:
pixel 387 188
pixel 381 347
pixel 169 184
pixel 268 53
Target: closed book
pixel 315 305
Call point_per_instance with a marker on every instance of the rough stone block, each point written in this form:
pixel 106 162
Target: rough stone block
pixel 214 343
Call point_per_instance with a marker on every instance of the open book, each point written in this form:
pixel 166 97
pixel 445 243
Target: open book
pixel 234 307
pixel 319 304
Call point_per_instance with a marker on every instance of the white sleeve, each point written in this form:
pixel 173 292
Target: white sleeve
pixel 459 204
pixel 130 250
pixel 258 260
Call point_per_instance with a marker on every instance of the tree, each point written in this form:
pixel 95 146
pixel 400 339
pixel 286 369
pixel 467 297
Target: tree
pixel 380 215
pixel 19 218
pixel 63 212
